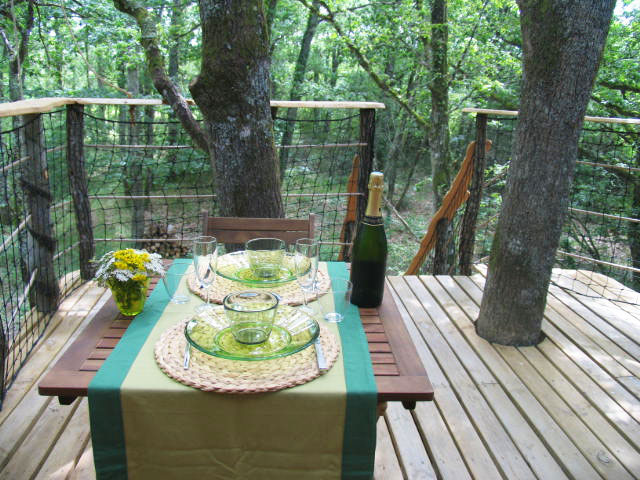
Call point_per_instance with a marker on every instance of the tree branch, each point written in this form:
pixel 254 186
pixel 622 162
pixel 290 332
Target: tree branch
pixel 7 43
pixel 365 63
pixel 85 60
pixel 155 62
pixel 622 87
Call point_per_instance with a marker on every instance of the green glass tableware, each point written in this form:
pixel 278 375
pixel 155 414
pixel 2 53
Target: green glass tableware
pixel 235 266
pixel 293 331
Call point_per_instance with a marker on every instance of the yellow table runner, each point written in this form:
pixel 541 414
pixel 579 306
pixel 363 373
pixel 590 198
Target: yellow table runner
pixel 169 430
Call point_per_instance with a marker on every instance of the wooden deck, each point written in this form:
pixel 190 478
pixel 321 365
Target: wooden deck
pixel 567 408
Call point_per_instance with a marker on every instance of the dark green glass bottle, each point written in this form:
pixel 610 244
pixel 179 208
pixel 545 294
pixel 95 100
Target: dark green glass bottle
pixel 369 254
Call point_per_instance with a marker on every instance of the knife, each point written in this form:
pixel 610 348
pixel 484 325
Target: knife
pixel 322 362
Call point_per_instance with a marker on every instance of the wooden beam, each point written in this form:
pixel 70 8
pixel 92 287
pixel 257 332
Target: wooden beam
pixel 514 113
pixel 42 105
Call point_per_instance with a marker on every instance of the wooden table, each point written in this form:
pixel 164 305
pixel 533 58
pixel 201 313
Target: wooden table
pixel 399 373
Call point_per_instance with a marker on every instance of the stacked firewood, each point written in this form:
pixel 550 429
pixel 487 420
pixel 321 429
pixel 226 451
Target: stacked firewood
pixel 168 249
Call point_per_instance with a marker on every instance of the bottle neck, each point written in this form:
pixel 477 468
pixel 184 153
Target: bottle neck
pixel 374 203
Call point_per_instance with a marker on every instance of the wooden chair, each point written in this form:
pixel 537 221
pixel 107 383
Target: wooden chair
pixel 237 230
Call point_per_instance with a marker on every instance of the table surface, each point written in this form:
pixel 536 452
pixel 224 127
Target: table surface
pixel 399 373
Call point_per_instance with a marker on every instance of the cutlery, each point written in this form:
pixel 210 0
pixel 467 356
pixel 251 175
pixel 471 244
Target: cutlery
pixel 322 362
pixel 187 356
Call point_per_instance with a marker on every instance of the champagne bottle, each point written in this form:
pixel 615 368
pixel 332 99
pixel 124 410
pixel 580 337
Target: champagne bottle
pixel 369 254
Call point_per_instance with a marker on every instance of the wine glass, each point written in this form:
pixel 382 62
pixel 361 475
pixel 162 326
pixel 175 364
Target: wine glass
pixel 306 267
pixel 205 262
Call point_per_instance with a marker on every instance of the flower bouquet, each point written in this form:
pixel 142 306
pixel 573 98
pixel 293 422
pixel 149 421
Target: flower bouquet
pixel 126 272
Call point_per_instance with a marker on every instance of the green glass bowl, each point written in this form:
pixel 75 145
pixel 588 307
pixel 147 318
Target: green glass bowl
pixel 293 331
pixel 235 266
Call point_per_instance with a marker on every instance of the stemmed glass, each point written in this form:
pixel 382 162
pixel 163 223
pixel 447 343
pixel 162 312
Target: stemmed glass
pixel 205 262
pixel 306 267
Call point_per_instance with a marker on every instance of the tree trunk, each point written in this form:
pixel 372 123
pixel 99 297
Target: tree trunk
pixel 174 68
pixel 439 87
pixel 232 92
pixel 562 47
pixel 133 178
pixel 439 131
pixel 296 84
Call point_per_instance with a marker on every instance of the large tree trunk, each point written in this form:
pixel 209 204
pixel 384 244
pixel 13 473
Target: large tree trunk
pixel 562 47
pixel 232 92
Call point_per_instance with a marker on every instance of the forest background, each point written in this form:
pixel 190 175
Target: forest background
pixel 416 57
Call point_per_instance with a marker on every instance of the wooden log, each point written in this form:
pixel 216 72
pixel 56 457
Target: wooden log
pixel 468 232
pixel 79 188
pixel 35 182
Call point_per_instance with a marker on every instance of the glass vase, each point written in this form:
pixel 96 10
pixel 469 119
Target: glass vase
pixel 129 296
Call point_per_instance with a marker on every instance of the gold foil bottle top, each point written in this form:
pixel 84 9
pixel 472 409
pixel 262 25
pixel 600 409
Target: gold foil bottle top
pixel 376 184
pixel 376 180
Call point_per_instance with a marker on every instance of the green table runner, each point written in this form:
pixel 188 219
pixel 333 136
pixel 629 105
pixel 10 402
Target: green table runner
pixel 146 425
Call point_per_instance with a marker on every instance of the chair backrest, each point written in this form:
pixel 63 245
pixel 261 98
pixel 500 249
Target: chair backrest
pixel 238 229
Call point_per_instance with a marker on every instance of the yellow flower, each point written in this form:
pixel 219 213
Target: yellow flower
pixel 121 265
pixel 139 277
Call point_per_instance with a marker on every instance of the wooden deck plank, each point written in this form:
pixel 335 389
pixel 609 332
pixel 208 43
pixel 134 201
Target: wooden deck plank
pixel 386 465
pixel 611 289
pixel 499 393
pixel 589 381
pixel 39 441
pixel 406 438
pixel 561 447
pixel 17 426
pixel 23 405
pixel 614 315
pixel 459 424
pixel 84 469
pixel 587 339
pixel 596 453
pixel 69 447
pixel 610 397
pixel 557 373
pixel 618 346
pixel 467 372
pixel 446 458
pixel 31 371
pixel 589 358
pixel 545 399
pixel 624 350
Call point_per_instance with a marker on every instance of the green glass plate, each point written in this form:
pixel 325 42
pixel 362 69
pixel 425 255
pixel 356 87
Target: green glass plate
pixel 293 331
pixel 235 266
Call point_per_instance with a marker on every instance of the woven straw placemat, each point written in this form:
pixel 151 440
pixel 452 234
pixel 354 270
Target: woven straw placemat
pixel 213 374
pixel 289 293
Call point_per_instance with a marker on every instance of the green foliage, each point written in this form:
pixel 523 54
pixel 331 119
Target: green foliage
pixel 86 48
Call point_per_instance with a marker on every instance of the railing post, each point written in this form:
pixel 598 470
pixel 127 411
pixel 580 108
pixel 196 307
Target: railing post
pixel 367 136
pixel 35 181
pixel 79 188
pixel 468 231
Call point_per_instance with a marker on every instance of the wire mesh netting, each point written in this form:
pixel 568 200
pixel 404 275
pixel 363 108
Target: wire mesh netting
pixel 147 186
pixel 28 181
pixel 599 252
